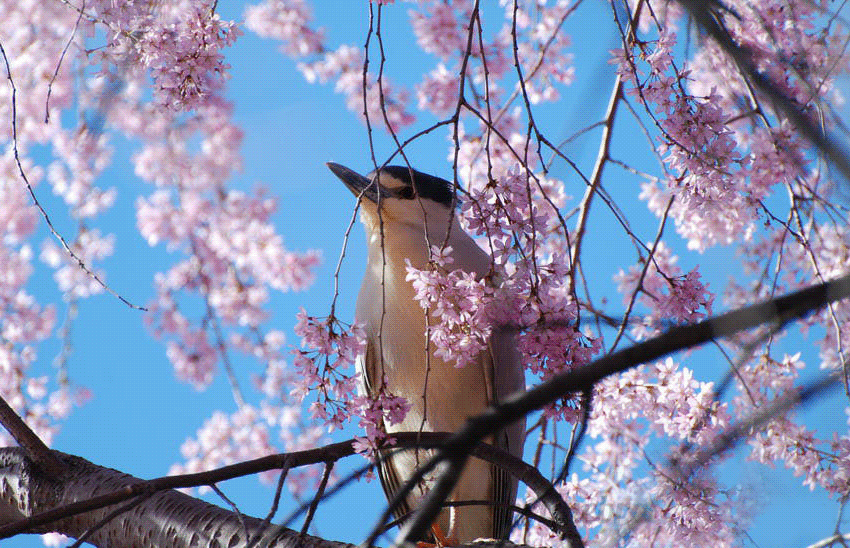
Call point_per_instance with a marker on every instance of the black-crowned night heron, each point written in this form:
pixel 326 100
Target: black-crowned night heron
pixel 441 396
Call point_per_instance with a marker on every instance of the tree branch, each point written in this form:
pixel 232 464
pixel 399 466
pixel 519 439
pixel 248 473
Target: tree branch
pixel 40 454
pixel 780 311
pixel 742 56
pixel 555 505
pixel 167 518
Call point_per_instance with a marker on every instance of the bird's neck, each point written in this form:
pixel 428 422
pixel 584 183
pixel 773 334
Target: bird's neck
pixel 393 247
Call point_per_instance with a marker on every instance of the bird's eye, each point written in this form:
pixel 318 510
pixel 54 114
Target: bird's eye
pixel 406 193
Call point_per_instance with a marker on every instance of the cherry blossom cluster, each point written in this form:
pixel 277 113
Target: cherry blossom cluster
pixel 289 22
pixel 382 102
pixel 697 108
pixel 672 297
pixel 246 434
pixel 611 492
pixel 33 38
pixel 545 52
pixel 511 209
pixel 820 461
pixel 516 216
pixel 323 375
pixel 459 304
pixel 232 258
pixel 229 255
pixel 753 152
pixel 234 255
pixel 24 323
pixel 124 63
pixel 277 423
pixel 324 366
pixel 375 413
pixel 697 146
pixel 225 439
pixel 177 44
pixel 84 155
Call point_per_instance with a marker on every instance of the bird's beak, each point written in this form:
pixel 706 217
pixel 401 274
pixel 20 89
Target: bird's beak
pixel 356 183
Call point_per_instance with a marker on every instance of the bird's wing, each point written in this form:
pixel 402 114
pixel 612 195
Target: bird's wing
pixel 508 376
pixel 388 473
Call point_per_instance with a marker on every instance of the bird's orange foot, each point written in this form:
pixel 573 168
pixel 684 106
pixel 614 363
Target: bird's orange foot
pixel 442 541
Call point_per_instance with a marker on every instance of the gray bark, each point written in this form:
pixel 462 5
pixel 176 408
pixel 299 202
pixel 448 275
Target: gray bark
pixel 166 519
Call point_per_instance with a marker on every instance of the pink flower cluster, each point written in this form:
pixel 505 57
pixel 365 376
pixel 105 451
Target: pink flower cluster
pixel 249 432
pixel 324 367
pixel 544 54
pixel 374 412
pixel 323 373
pixel 516 217
pixel 721 163
pixel 670 296
pixel 179 44
pixel 287 21
pixel 819 460
pixel 73 281
pixel 245 435
pixel 125 61
pixel 459 305
pixel 612 495
pixel 382 99
pixel 233 253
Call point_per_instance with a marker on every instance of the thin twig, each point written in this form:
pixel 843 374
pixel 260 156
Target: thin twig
pixel 233 507
pixel 53 231
pixel 263 528
pixel 59 63
pixel 311 511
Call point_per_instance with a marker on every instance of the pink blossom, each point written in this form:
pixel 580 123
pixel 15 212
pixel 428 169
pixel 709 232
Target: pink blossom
pixel 194 359
pixel 671 296
pixel 287 21
pixel 72 280
pixel 438 28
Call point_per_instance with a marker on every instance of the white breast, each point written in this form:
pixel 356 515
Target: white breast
pixel 396 325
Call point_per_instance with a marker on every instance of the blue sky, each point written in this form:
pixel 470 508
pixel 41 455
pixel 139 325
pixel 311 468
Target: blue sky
pixel 140 414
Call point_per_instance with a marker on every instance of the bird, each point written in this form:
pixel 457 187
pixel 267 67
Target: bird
pixel 404 211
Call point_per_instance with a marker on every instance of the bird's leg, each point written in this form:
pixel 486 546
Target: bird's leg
pixel 440 538
pixel 453 519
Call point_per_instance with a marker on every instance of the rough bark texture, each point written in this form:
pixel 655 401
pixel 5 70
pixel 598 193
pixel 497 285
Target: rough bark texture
pixel 166 519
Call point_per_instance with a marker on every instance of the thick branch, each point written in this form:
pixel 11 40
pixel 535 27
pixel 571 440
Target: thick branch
pixel 26 438
pixel 44 517
pixel 155 519
pixel 167 518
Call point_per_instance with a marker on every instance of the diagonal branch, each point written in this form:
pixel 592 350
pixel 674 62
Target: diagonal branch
pixel 36 450
pixel 779 311
pixel 742 56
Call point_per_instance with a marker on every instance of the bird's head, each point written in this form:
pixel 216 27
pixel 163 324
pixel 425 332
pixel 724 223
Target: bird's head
pixel 405 196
